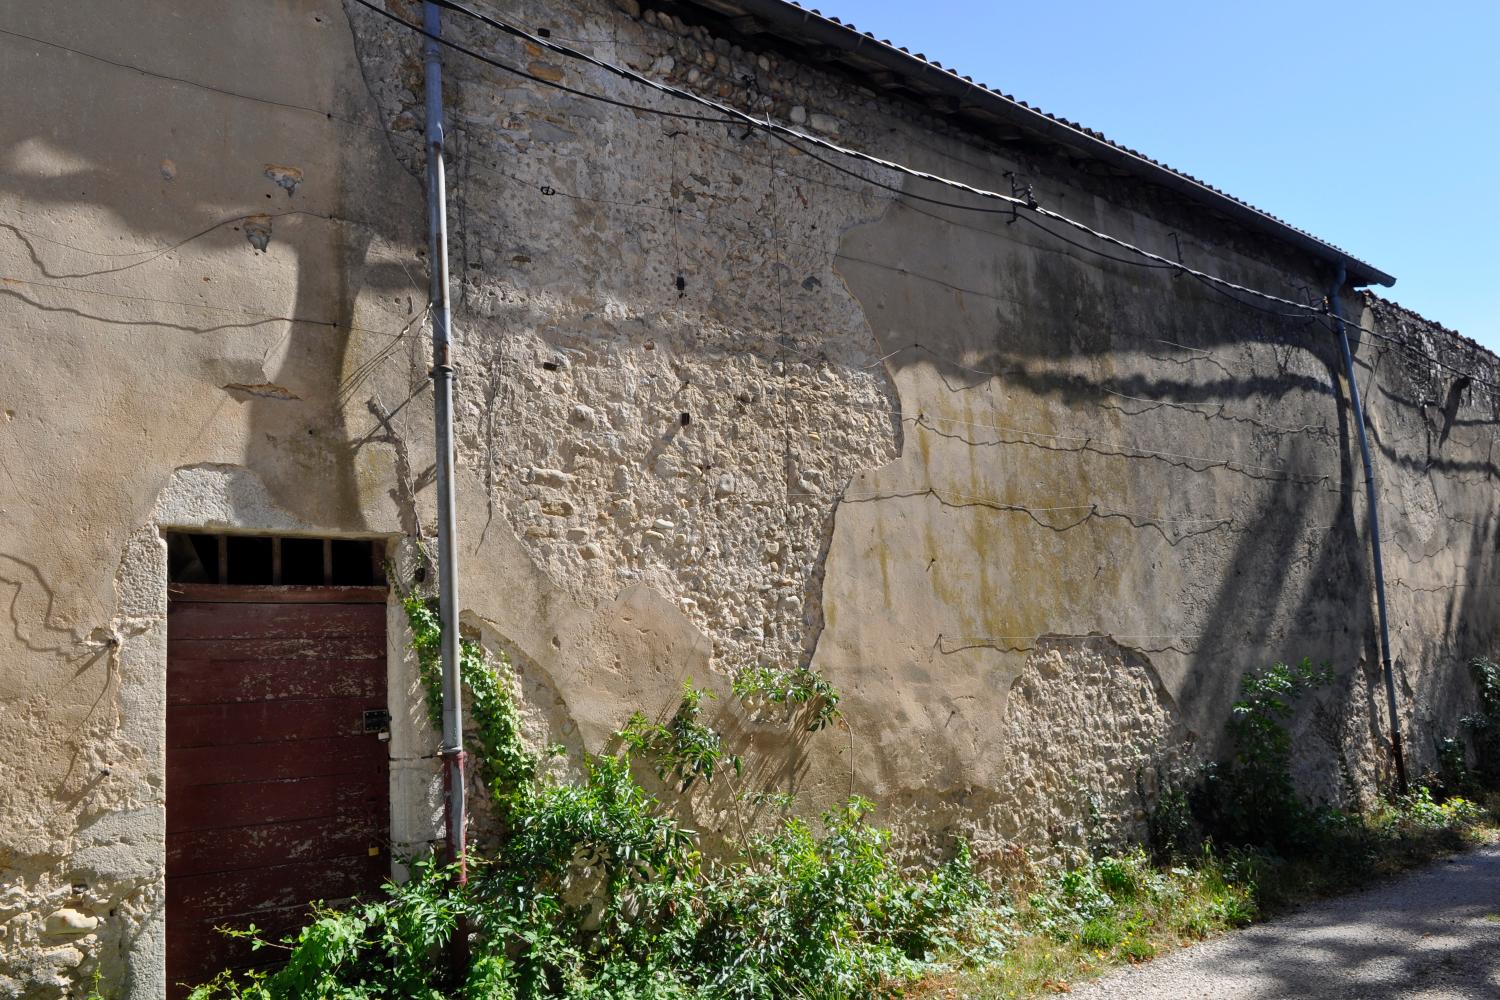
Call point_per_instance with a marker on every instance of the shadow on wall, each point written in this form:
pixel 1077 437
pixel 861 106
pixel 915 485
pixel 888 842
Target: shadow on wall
pixel 1067 343
pixel 222 204
pixel 1020 357
pixel 183 266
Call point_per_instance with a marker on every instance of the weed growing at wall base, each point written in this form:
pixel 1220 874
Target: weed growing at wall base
pixel 597 891
pixel 1233 846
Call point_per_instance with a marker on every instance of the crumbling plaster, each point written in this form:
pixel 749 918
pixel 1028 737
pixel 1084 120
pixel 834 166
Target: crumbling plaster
pixel 927 448
pixel 1034 512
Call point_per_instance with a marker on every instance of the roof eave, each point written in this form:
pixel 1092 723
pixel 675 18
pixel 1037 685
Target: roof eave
pixel 819 30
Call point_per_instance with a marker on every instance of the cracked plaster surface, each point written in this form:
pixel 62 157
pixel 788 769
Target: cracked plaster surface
pixel 1033 513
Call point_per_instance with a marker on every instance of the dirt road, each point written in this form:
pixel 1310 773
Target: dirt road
pixel 1433 934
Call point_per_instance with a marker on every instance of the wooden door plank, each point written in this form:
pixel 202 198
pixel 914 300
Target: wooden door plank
pixel 239 895
pixel 215 682
pixel 282 647
pixel 266 722
pixel 275 794
pixel 287 594
pixel 189 767
pixel 249 803
pixel 203 852
pixel 253 621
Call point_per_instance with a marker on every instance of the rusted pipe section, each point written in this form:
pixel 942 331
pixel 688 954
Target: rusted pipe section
pixel 442 393
pixel 1336 310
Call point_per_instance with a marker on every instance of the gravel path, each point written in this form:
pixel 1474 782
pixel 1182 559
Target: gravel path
pixel 1433 934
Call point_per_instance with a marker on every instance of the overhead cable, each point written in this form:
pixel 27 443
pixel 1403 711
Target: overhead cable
pixel 1154 261
pixel 732 115
pixel 770 126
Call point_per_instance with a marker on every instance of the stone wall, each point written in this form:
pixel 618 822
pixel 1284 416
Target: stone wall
pixel 1032 510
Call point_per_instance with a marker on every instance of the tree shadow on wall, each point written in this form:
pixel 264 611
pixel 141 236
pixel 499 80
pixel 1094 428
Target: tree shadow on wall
pixel 189 184
pixel 1039 321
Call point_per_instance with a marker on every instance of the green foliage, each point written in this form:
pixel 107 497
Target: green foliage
pixel 1484 724
pixel 1251 798
pixel 1453 773
pixel 508 767
pixel 832 915
pixel 596 890
pixel 805 691
pixel 1119 904
pixel 684 747
pixel 1267 698
pixel 383 948
pixel 1487 681
pixel 1273 851
pixel 1171 831
pixel 1419 808
pixel 96 989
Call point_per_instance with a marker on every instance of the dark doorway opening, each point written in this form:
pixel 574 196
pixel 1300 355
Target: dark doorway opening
pixel 275 560
pixel 277 763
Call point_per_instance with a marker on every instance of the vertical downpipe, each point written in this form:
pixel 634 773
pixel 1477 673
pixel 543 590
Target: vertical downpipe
pixel 1337 309
pixel 442 394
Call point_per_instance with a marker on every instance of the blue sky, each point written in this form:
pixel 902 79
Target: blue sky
pixel 1373 125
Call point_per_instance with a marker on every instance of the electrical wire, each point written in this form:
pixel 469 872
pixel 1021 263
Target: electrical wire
pixel 1151 261
pixel 1225 287
pixel 791 136
pixel 6 281
pixel 787 133
pixel 533 77
pixel 287 105
pixel 839 255
pixel 781 132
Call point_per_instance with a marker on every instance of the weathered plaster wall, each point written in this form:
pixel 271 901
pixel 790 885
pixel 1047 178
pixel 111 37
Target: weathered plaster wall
pixel 1033 511
pixel 159 370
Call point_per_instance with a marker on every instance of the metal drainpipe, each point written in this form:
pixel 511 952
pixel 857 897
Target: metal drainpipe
pixel 1337 310
pixel 442 392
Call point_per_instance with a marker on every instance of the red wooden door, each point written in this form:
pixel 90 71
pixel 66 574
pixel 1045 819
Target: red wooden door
pixel 277 782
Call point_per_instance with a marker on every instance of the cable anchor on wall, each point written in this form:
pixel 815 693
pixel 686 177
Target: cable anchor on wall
pixel 1020 191
pixel 1180 265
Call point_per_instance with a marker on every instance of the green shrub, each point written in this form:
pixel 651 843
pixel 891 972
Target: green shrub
pixel 382 948
pixel 1101 932
pixel 802 690
pixel 1453 776
pixel 684 747
pixel 1171 831
pixel 1484 724
pixel 596 891
pixel 1251 798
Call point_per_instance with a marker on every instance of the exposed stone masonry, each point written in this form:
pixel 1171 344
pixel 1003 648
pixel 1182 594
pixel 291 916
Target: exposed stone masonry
pixel 1034 512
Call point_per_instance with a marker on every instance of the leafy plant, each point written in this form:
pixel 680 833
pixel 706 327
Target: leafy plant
pixel 1484 724
pixel 1251 798
pixel 382 948
pixel 1171 832
pixel 96 987
pixel 684 747
pixel 1453 773
pixel 508 767
pixel 810 695
pixel 596 891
